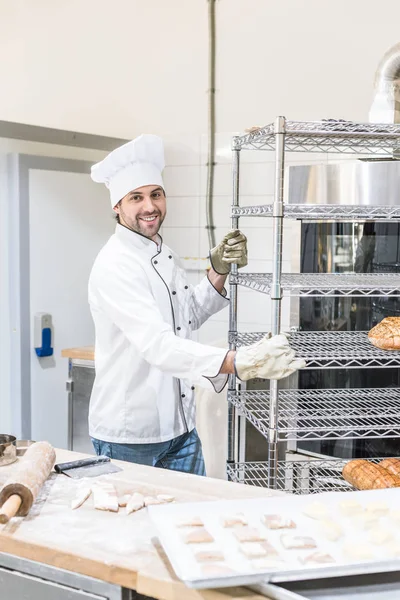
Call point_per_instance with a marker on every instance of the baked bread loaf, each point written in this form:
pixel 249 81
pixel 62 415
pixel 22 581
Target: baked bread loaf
pixel 365 475
pixel 392 465
pixel 386 335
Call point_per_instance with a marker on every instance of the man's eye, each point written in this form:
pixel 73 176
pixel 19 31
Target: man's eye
pixel 156 195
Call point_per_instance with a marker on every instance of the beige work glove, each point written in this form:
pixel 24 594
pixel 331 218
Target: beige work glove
pixel 269 358
pixel 232 249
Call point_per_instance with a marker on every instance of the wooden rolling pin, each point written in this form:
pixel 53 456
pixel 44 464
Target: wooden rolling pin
pixel 21 489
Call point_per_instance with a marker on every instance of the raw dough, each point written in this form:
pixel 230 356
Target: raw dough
pixel 199 535
pixel 298 542
pixel 277 522
pixel 316 510
pixel 357 551
pixel 234 521
pixel 209 556
pixel 150 500
pixel 393 549
pixel 380 536
pixel 165 498
pixel 319 558
pixel 365 520
pixel 257 549
pixel 395 515
pixel 379 509
pixel 82 495
pixel 349 507
pixel 123 500
pixel 105 496
pixel 331 531
pixel 190 522
pixel 248 534
pixel 135 502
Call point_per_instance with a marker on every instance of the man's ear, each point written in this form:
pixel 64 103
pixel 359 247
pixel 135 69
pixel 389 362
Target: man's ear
pixel 116 208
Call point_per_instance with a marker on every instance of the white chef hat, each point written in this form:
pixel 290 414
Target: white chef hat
pixel 137 163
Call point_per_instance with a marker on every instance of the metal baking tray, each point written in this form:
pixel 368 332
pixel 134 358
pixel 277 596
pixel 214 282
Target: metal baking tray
pixel 376 586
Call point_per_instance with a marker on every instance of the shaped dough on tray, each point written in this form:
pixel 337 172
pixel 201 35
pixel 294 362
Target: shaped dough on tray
pixel 380 536
pixel 378 509
pixel 393 549
pixel 233 521
pixel 317 558
pixel 297 542
pixel 248 534
pixel 257 549
pixel 199 535
pixel 206 556
pixel 277 522
pixel 331 530
pixel 316 510
pixel 395 515
pixel 358 551
pixel 365 520
pixel 190 522
pixel 349 507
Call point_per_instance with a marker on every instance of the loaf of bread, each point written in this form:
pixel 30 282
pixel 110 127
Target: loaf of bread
pixel 386 335
pixel 365 475
pixel 392 465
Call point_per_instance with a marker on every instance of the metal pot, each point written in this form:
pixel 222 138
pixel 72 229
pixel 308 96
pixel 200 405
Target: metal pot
pixel 8 449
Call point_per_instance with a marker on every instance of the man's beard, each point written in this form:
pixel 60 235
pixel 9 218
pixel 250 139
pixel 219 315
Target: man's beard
pixel 137 225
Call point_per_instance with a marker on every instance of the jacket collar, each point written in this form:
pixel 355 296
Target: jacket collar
pixel 137 240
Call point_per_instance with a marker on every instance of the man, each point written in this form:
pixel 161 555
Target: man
pixel 142 406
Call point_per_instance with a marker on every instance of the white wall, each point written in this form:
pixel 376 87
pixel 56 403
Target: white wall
pixel 128 66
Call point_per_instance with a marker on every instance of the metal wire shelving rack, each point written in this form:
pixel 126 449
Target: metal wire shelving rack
pixel 283 415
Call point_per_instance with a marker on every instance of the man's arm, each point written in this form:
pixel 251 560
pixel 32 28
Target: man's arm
pixel 217 280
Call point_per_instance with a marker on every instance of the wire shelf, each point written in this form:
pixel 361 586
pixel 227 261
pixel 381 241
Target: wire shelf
pixel 337 212
pixel 324 284
pixel 327 414
pixel 343 137
pixel 296 476
pixel 331 349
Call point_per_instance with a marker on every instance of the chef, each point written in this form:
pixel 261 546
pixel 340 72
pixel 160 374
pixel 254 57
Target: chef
pixel 142 406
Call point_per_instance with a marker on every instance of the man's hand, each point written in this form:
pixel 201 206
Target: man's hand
pixel 269 358
pixel 232 249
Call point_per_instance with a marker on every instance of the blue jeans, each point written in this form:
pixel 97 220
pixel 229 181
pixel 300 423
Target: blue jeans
pixel 183 453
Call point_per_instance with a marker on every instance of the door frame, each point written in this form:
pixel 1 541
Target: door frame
pixel 17 342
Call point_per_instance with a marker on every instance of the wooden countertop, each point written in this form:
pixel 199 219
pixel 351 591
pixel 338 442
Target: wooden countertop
pixel 116 548
pixel 82 352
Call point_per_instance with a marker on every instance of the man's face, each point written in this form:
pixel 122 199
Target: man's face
pixel 143 210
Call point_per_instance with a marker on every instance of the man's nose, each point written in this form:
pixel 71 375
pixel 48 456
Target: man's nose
pixel 148 204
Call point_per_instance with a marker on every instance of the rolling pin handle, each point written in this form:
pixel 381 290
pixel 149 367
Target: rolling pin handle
pixel 10 508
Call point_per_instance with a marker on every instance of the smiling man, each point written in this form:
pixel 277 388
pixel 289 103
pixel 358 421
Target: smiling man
pixel 142 406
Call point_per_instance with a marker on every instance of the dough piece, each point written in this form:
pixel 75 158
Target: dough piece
pixel 316 510
pixel 216 570
pixel 395 515
pixel 82 495
pixel 123 500
pixel 209 556
pixel 266 564
pixel 349 507
pixel 190 522
pixel 105 496
pixel 365 521
pixel 358 551
pixel 393 549
pixel 379 509
pixel 380 536
pixel 257 549
pixel 277 522
pixel 248 534
pixel 331 531
pixel 199 535
pixel 317 558
pixel 297 542
pixel 234 521
pixel 135 502
pixel 165 498
pixel 151 500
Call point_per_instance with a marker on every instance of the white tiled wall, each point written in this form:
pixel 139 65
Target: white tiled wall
pixel 185 226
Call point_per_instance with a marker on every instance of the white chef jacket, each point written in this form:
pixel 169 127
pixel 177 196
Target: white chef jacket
pixel 144 311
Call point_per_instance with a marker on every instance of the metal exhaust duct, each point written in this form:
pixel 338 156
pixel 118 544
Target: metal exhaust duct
pixel 386 104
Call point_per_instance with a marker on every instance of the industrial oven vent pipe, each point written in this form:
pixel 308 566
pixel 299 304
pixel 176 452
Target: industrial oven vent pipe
pixel 386 104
